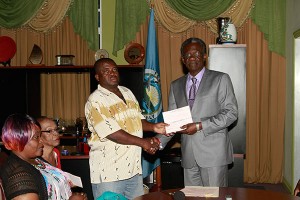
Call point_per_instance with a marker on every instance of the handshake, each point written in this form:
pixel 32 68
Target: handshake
pixel 151 145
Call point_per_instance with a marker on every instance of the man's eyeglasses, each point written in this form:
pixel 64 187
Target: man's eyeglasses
pixel 197 54
pixel 106 72
pixel 52 131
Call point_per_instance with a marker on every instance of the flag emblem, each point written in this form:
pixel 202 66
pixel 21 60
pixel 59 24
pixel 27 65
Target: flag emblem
pixel 152 105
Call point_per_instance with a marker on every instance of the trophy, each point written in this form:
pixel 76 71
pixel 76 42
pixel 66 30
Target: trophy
pixel 36 56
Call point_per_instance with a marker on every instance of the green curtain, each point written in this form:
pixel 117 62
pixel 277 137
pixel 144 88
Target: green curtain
pixel 200 10
pixel 84 17
pixel 130 14
pixel 16 13
pixel 270 16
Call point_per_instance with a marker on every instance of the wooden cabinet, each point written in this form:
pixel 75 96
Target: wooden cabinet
pixel 20 85
pixel 20 88
pixel 19 93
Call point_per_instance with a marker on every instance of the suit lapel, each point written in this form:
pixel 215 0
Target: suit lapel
pixel 202 83
pixel 184 88
pixel 200 89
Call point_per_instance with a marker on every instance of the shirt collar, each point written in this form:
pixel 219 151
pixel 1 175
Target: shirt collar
pixel 198 76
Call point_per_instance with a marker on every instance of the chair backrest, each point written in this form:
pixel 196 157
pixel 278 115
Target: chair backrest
pixel 3 157
pixel 2 195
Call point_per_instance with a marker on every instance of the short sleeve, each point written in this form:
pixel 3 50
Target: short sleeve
pixel 19 177
pixel 19 183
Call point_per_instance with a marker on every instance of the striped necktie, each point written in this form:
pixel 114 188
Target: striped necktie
pixel 192 92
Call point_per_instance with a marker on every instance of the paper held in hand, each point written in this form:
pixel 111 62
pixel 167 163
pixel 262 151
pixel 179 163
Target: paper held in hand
pixel 76 180
pixel 199 191
pixel 177 118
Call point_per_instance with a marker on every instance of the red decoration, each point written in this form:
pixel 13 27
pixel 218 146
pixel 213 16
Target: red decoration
pixel 7 48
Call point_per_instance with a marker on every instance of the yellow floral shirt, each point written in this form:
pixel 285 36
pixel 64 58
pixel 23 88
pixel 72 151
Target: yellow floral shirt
pixel 106 113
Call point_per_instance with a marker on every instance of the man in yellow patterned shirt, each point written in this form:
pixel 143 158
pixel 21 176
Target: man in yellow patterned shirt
pixel 115 120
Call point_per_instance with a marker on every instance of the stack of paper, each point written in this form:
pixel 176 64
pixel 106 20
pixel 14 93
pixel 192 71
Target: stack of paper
pixel 199 191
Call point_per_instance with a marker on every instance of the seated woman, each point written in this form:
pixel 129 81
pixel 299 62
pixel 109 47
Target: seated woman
pixel 24 175
pixel 50 140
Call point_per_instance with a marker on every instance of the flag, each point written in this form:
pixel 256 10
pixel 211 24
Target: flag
pixel 152 100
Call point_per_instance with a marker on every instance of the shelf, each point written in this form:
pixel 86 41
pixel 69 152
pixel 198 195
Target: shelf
pixel 49 69
pixel 74 157
pixel 227 45
pixel 46 67
pixel 60 67
pixel 71 137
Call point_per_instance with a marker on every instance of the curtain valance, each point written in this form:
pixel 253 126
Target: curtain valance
pixel 45 15
pixel 200 10
pixel 17 13
pixel 176 23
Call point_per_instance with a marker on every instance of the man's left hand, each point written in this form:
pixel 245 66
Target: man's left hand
pixel 189 129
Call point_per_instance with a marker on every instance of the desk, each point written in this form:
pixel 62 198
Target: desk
pixel 236 194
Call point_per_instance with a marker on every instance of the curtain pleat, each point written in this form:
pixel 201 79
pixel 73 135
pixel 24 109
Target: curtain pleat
pixel 130 14
pixel 50 16
pixel 270 16
pixel 84 17
pixel 64 95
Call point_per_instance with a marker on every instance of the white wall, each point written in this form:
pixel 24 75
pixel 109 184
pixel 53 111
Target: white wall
pixel 292 125
pixel 297 112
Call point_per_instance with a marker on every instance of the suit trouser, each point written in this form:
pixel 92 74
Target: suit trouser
pixel 208 176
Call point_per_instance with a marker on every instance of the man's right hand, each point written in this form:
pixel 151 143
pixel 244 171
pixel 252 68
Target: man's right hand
pixel 151 145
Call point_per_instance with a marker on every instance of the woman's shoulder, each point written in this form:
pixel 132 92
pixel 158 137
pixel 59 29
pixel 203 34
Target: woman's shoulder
pixel 19 177
pixel 56 151
pixel 14 165
pixel 15 168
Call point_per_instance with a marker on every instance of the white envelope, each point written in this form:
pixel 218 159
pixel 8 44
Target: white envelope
pixel 177 118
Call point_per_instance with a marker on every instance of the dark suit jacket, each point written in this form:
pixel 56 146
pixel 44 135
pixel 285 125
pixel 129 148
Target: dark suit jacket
pixel 216 108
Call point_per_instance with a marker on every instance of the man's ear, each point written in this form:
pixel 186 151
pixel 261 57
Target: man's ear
pixel 97 77
pixel 205 59
pixel 182 60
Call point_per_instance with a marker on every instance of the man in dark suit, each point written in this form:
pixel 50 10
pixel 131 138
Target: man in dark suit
pixel 205 144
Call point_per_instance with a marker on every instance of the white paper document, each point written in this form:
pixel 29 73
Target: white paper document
pixel 177 118
pixel 76 180
pixel 199 191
